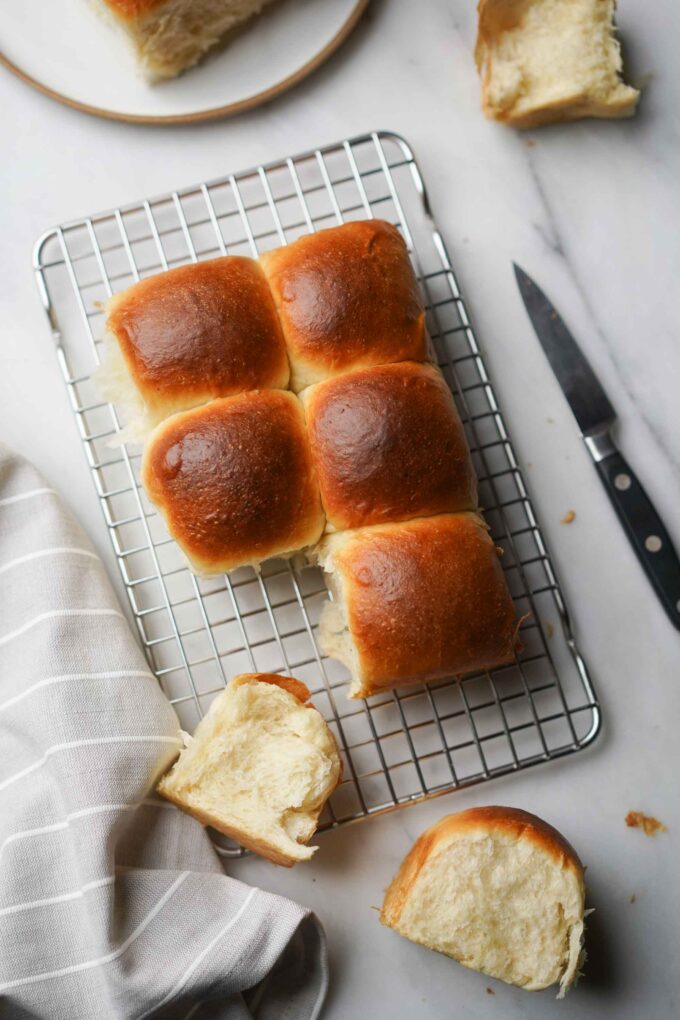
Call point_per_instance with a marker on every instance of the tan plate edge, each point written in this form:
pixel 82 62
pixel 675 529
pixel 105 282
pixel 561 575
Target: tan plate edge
pixel 203 115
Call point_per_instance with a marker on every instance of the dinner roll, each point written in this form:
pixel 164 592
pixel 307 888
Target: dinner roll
pixel 171 35
pixel 259 768
pixel 234 480
pixel 500 891
pixel 388 445
pixel 415 601
pixel 196 332
pixel 550 60
pixel 347 298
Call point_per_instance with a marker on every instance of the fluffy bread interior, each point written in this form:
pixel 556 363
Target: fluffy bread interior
pixel 172 35
pixel 114 382
pixel 495 901
pixel 335 639
pixel 259 768
pixel 545 60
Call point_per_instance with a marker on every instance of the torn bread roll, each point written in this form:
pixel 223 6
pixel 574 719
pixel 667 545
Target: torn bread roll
pixel 550 60
pixel 181 338
pixel 259 768
pixel 170 36
pixel 500 891
pixel 234 481
pixel 416 601
pixel 348 298
pixel 388 445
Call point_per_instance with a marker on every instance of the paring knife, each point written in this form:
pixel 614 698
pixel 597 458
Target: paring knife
pixel 595 417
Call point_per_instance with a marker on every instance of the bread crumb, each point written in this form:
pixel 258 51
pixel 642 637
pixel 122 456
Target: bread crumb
pixel 569 517
pixel 490 991
pixel 530 143
pixel 649 825
pixel 632 898
pixel 549 630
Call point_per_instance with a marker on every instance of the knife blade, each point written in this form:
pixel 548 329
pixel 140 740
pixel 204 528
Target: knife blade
pixel 595 416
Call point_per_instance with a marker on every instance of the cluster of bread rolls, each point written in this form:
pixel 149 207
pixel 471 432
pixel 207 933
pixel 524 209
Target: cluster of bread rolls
pixel 294 406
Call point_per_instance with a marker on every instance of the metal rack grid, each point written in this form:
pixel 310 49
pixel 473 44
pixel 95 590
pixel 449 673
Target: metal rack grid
pixel 398 747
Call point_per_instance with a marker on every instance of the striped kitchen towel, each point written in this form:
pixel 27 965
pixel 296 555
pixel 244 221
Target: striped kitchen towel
pixel 112 902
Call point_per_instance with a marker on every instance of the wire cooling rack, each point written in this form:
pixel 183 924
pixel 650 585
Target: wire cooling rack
pixel 397 747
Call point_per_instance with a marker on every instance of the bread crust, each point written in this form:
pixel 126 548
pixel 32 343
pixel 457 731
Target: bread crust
pixel 388 445
pixel 424 599
pixel 131 10
pixel 347 298
pixel 234 480
pixel 198 332
pixel 512 823
pixel 286 683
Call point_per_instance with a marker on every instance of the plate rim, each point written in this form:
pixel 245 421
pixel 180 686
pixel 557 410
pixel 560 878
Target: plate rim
pixel 214 113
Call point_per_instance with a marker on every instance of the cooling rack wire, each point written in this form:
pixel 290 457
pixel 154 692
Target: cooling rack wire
pixel 398 747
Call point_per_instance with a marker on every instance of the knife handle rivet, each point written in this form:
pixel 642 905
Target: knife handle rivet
pixel 653 543
pixel 622 482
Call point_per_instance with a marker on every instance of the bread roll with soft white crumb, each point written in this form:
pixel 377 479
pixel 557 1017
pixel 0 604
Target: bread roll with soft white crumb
pixel 259 768
pixel 171 35
pixel 550 60
pixel 500 891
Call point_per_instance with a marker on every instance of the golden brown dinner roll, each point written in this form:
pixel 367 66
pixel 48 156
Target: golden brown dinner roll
pixel 196 332
pixel 497 889
pixel 388 445
pixel 234 480
pixel 416 601
pixel 259 768
pixel 348 298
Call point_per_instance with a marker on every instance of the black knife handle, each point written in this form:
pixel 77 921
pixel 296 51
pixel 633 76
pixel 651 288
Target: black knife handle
pixel 645 530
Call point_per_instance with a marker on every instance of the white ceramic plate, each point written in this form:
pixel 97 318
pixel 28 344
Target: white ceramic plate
pixel 64 48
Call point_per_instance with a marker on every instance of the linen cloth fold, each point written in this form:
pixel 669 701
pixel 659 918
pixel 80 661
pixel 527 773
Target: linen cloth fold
pixel 113 903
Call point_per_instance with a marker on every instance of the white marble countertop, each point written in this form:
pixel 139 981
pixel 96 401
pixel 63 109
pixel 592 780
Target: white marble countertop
pixel 592 211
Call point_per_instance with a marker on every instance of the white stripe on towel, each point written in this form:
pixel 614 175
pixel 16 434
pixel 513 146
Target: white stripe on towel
pixel 201 956
pixel 89 964
pixel 54 551
pixel 53 613
pixel 25 495
pixel 88 742
pixel 77 894
pixel 114 674
pixel 95 809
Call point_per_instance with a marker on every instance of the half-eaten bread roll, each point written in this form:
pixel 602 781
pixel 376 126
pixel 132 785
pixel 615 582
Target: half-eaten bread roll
pixel 172 35
pixel 259 768
pixel 550 60
pixel 500 891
